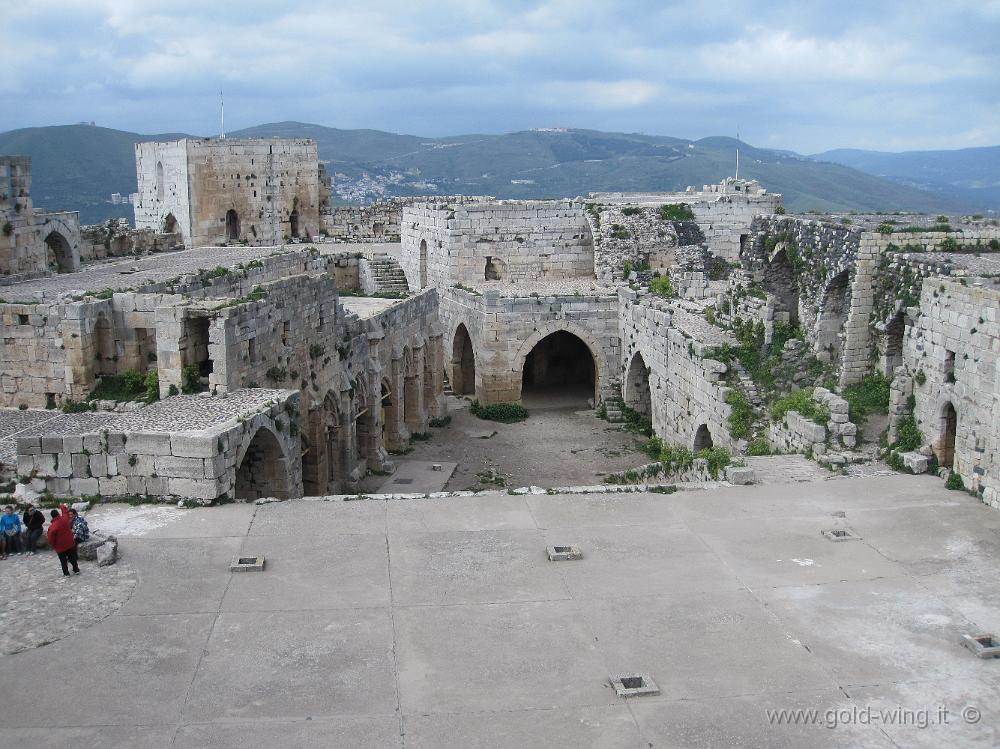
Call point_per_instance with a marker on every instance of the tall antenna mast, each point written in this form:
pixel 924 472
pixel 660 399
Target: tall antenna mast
pixel 222 107
pixel 737 152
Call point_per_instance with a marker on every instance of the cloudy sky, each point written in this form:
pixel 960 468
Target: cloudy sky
pixel 802 75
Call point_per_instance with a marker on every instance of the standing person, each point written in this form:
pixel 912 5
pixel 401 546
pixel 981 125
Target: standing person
pixel 60 535
pixel 34 522
pixel 81 531
pixel 10 527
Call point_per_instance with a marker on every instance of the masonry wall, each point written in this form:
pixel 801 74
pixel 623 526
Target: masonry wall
pixel 163 200
pixel 378 222
pixel 477 240
pixel 687 390
pixel 504 329
pixel 952 347
pixel 115 238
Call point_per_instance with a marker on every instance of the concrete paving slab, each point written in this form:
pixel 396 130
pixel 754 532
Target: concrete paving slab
pixel 608 727
pixel 568 511
pixel 198 573
pixel 497 657
pixel 339 572
pixel 494 512
pixel 170 521
pixel 792 552
pixel 138 670
pixel 308 518
pixel 952 712
pixel 91 737
pixel 293 665
pixel 700 646
pixel 744 721
pixel 378 732
pixel 899 490
pixel 418 476
pixel 472 567
pixel 875 631
pixel 628 561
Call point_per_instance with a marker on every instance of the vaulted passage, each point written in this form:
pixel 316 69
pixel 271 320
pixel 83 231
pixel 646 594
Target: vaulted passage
pixel 946 443
pixel 894 344
pixel 232 225
pixel 463 363
pixel 293 224
pixel 637 395
pixel 780 281
pixel 703 438
pixel 60 254
pixel 833 317
pixel 559 372
pixel 263 472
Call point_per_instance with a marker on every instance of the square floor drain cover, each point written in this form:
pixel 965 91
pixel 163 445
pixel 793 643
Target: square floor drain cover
pixel 840 534
pixel 634 685
pixel 563 553
pixel 983 645
pixel 247 564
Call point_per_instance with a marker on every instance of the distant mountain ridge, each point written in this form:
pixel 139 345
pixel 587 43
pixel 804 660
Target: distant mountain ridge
pixel 78 167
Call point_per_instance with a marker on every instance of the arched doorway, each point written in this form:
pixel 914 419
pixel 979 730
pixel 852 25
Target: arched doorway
pixel 333 441
pixel 894 344
pixel 463 363
pixel 170 224
pixel 232 225
pixel 637 395
pixel 780 280
pixel 60 253
pixel 293 224
pixel 946 443
pixel 104 346
pixel 389 415
pixel 263 472
pixel 364 422
pixel 559 372
pixel 833 317
pixel 703 438
pixel 160 186
pixel 311 484
pixel 423 263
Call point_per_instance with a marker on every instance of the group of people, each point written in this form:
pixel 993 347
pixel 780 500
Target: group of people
pixel 19 535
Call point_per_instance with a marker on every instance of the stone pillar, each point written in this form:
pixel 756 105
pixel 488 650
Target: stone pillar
pixel 857 331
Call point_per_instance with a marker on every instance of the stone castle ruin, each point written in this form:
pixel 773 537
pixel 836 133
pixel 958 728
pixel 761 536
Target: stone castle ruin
pixel 283 354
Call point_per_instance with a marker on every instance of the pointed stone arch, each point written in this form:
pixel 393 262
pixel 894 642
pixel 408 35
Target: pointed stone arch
pixel 637 393
pixel 262 468
pixel 463 362
pixel 232 225
pixel 702 438
pixel 596 352
pixel 830 325
pixel 944 447
pixel 59 252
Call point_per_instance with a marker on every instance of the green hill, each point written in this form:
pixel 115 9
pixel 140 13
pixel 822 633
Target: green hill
pixel 77 167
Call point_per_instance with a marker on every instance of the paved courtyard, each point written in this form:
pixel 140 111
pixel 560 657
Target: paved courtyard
pixel 430 623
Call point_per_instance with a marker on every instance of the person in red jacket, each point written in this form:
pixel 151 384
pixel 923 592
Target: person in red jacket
pixel 61 540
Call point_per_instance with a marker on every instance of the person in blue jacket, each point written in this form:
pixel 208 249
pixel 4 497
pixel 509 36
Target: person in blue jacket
pixel 10 532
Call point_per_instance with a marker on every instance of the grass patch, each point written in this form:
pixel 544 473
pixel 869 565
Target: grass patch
pixel 506 413
pixel 123 387
pixel 869 396
pixel 661 286
pixel 740 414
pixel 802 402
pixel 675 212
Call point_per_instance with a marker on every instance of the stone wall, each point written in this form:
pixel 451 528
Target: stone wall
pixel 505 328
pixel 214 463
pixel 470 241
pixel 234 190
pixel 663 359
pixel 378 222
pixel 950 358
pixel 115 238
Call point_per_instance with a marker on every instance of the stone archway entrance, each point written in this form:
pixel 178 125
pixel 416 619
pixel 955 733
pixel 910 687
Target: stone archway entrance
pixel 232 225
pixel 463 363
pixel 780 280
pixel 833 317
pixel 293 224
pixel 559 372
pixel 60 253
pixel 637 394
pixel 170 224
pixel 703 438
pixel 894 344
pixel 945 449
pixel 263 471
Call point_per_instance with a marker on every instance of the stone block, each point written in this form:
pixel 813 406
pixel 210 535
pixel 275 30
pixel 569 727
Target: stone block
pixel 116 486
pixel 93 443
pixel 52 444
pixel 183 487
pixel 739 475
pixel 186 446
pixel 98 465
pixel 916 462
pixel 80 487
pixel 29 445
pixel 73 443
pixel 187 468
pixel 149 443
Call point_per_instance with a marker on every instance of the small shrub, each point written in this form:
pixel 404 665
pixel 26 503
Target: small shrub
pixel 886 227
pixel 420 437
pixel 780 210
pixel 740 414
pixel 173 390
pixel 75 407
pixel 506 413
pixel 758 446
pixel 871 395
pixel 316 351
pixel 190 379
pixel 440 423
pixel 276 374
pixel 676 212
pixel 631 210
pixel 802 402
pixel 920 378
pixel 908 436
pixel 718 458
pixel 152 383
pixel 710 315
pixel 619 232
pixel 954 482
pixel 8 228
pixel 661 286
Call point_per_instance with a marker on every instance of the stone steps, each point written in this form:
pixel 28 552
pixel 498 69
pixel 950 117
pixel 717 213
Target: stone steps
pixel 388 275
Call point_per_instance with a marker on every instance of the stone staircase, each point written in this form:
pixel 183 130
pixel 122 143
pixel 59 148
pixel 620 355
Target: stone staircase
pixel 388 275
pixel 746 385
